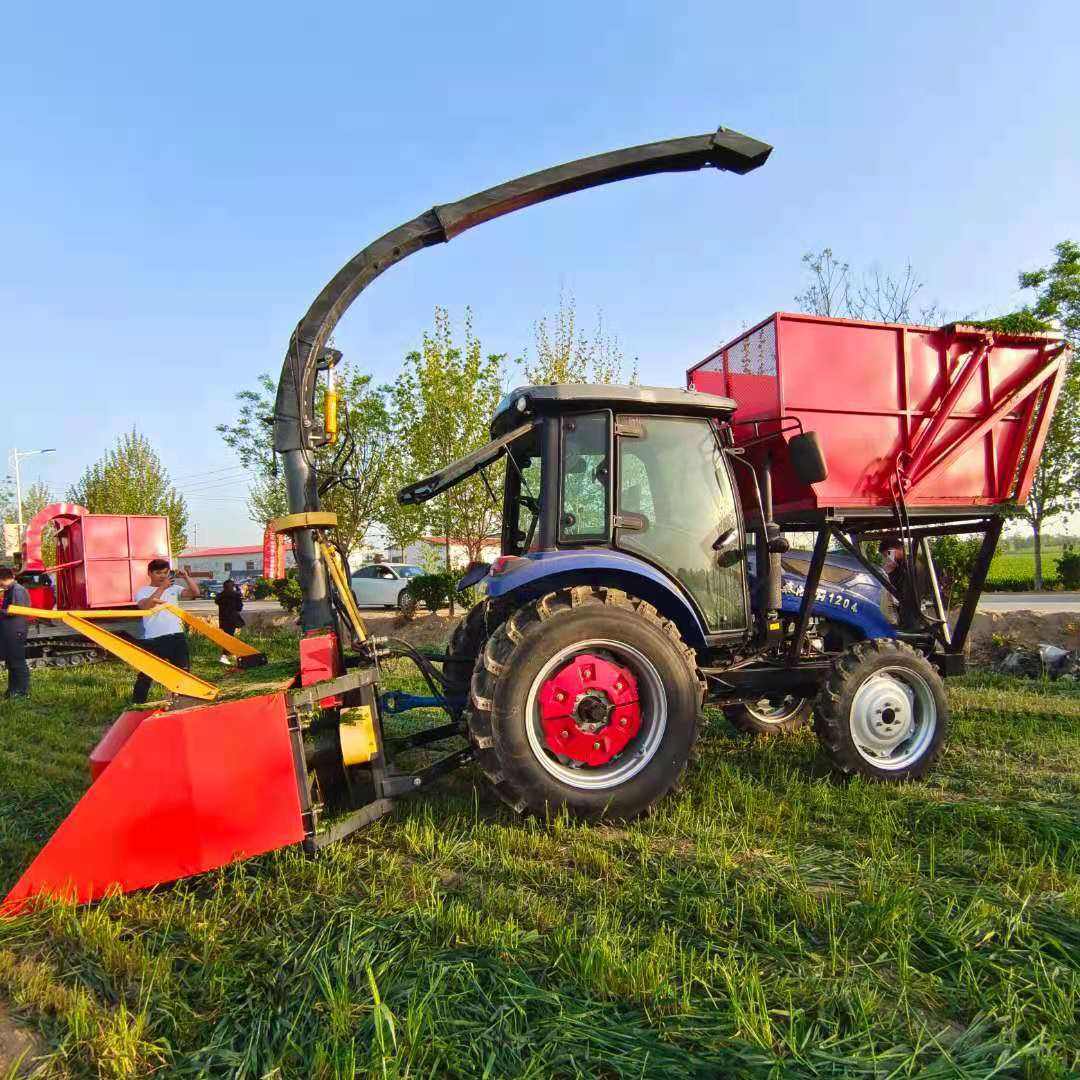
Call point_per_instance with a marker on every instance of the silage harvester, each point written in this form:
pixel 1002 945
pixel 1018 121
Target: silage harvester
pixel 643 533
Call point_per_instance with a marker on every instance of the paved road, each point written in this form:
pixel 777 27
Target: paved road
pixel 1050 603
pixel 1044 603
pixel 208 607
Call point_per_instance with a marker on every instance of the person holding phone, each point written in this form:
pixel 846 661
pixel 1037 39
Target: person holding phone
pixel 163 632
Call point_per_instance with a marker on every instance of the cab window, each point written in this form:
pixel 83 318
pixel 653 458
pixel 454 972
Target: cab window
pixel 586 476
pixel 675 503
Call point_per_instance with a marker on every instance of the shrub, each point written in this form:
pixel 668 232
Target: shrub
pixel 1068 568
pixel 954 558
pixel 262 588
pixel 287 592
pixel 432 589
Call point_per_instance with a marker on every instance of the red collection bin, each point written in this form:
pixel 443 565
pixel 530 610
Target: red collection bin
pixel 948 417
pixel 102 558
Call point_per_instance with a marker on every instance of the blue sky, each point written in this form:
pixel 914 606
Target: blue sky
pixel 178 181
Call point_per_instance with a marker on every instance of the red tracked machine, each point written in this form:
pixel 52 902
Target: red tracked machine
pixel 624 595
pixel 100 562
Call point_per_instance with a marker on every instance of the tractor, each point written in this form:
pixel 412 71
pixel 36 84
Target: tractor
pixel 641 577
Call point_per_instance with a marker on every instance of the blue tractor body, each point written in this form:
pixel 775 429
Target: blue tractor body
pixel 847 595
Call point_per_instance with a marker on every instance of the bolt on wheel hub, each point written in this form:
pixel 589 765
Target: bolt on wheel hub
pixel 589 710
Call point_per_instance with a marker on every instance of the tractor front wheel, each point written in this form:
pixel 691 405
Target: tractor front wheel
pixel 585 700
pixel 882 713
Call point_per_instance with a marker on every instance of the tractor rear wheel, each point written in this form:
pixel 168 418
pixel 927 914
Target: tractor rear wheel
pixel 778 713
pixel 585 700
pixel 882 712
pixel 465 644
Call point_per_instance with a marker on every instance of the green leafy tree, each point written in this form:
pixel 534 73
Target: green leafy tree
pixel 359 463
pixel 1056 486
pixel 564 354
pixel 130 479
pixel 443 402
pixel 35 498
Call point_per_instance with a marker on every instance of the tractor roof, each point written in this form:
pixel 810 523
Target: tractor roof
pixel 528 402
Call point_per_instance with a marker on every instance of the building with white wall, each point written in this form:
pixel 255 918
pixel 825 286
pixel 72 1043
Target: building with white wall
pixel 219 563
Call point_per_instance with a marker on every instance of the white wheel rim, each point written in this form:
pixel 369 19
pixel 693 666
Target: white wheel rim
pixel 641 749
pixel 893 718
pixel 770 711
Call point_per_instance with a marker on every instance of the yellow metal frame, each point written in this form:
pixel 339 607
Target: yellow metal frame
pixel 341 583
pixel 314 519
pixel 174 679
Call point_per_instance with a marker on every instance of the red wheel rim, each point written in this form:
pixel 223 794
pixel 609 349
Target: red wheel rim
pixel 589 710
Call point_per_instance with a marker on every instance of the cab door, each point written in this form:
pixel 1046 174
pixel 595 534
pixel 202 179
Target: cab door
pixel 676 508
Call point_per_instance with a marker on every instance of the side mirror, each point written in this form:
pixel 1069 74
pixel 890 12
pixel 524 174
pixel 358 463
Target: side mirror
pixel 807 458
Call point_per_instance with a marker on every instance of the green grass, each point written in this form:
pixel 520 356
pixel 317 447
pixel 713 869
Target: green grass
pixel 766 921
pixel 1016 569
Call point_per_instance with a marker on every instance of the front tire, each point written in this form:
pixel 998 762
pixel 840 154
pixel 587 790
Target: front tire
pixel 882 712
pixel 585 700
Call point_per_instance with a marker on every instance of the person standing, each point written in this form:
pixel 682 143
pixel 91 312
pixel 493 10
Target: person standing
pixel 13 629
pixel 230 603
pixel 163 632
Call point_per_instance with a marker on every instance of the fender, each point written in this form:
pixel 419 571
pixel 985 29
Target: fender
pixel 544 571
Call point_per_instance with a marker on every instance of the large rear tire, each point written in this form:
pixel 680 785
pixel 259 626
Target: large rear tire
pixel 465 644
pixel 585 700
pixel 882 713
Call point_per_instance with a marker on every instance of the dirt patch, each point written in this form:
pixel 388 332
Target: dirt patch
pixel 17 1044
pixel 430 629
pixel 994 633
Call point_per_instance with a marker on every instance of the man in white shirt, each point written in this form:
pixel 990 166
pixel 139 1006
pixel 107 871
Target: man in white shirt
pixel 163 632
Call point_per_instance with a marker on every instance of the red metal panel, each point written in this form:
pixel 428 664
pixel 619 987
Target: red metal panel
pixel 108 583
pixel 320 660
pixel 105 536
pixel 148 537
pixel 946 412
pixel 189 791
pixel 112 742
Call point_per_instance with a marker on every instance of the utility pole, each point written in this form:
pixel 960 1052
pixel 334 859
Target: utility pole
pixel 14 457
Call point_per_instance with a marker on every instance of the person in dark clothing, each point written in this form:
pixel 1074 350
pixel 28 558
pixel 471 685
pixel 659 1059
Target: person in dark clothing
pixel 895 564
pixel 230 603
pixel 13 629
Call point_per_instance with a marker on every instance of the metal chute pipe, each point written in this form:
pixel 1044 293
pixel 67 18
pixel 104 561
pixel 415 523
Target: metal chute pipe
pixel 294 424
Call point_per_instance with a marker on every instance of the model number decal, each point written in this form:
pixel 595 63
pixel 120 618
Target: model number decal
pixel 824 596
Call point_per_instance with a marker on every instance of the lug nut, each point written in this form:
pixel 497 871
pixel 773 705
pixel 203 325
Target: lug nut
pixel 564 734
pixel 622 721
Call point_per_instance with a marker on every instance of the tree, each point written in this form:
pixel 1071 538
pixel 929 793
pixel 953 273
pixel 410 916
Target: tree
pixel 876 296
pixel 130 479
pixel 564 354
pixel 35 498
pixel 443 402
pixel 353 473
pixel 1056 487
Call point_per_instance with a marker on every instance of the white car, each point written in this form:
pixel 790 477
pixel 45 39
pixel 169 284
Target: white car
pixel 382 584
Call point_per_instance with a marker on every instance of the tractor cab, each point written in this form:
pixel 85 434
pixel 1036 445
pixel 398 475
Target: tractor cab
pixel 626 479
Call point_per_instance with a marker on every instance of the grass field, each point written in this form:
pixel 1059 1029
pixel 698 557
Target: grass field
pixel 767 921
pixel 1016 569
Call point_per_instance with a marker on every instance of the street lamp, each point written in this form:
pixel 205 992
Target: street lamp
pixel 14 457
